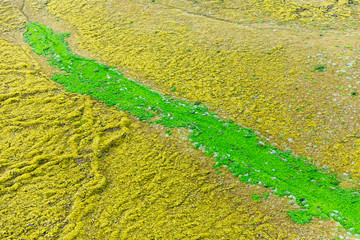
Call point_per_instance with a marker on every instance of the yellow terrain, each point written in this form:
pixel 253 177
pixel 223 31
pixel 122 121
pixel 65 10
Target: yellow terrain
pixel 72 168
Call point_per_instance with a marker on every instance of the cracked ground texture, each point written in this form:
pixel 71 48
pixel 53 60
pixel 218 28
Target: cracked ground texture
pixel 72 168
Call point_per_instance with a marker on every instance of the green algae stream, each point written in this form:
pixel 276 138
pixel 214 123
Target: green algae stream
pixel 233 146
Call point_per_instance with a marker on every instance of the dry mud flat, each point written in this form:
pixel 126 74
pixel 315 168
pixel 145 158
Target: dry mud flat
pixel 70 167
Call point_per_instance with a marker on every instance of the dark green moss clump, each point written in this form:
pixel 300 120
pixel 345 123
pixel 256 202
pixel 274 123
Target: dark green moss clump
pixel 320 68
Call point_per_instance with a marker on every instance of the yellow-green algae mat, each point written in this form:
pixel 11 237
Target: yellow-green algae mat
pixel 51 146
pixel 233 146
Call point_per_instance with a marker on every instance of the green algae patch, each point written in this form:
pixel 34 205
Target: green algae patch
pixel 233 146
pixel 300 216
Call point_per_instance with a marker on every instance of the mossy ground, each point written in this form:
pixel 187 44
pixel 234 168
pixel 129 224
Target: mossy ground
pixel 72 168
pixel 232 146
pixel 105 33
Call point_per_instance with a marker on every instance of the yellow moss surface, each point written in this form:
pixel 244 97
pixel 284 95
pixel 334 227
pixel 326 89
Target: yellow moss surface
pixel 72 168
pixel 10 17
pixel 49 147
pixel 156 192
pixel 261 76
pixel 303 11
